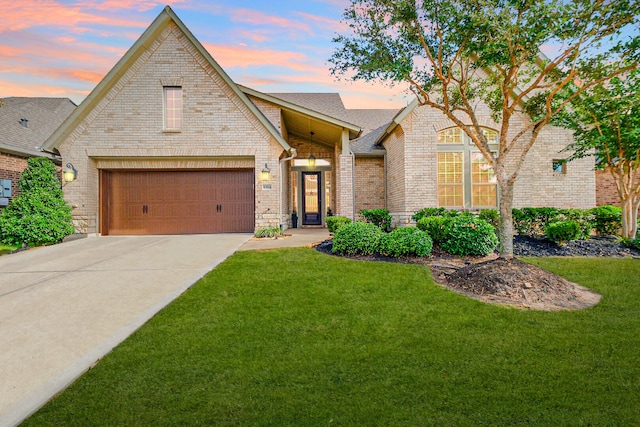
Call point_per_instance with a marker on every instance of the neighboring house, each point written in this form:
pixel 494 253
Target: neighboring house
pixel 167 143
pixel 25 125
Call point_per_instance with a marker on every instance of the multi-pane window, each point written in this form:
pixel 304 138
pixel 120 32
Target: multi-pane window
pixel 172 107
pixel 465 179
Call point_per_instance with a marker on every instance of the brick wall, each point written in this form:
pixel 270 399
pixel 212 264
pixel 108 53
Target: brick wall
pixel 370 186
pixel 11 166
pixel 127 125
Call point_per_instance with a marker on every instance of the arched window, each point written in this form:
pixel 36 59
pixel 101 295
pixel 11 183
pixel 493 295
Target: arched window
pixel 465 178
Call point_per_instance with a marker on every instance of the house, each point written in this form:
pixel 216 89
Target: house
pixel 25 125
pixel 167 143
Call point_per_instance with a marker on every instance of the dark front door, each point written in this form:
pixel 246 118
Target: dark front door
pixel 311 198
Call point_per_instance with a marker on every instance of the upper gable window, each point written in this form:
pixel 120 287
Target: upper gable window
pixel 172 108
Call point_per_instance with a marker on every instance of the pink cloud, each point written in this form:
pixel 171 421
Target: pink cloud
pixel 254 17
pixel 22 14
pixel 239 56
pixel 330 24
pixel 9 88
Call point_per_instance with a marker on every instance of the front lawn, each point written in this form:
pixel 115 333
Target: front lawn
pixel 296 337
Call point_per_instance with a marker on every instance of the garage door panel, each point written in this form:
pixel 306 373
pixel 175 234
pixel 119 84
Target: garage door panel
pixel 178 202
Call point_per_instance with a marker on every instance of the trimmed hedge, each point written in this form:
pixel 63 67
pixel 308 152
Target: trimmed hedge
pixel 561 232
pixel 436 226
pixel 607 220
pixel 357 238
pixel 405 241
pixel 469 236
pixel 335 222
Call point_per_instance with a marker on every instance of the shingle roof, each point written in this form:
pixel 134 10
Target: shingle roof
pixel 325 103
pixel 43 116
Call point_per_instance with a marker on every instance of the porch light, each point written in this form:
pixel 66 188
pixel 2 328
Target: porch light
pixel 70 174
pixel 265 175
pixel 311 162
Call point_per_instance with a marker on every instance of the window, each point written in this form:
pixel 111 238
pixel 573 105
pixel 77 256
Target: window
pixel 172 107
pixel 465 178
pixel 559 167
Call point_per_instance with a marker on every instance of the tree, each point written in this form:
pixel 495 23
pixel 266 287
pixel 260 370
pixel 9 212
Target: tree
pixel 39 214
pixel 456 53
pixel 606 124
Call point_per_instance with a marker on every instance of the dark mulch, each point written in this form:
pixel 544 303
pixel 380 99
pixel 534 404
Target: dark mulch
pixel 513 282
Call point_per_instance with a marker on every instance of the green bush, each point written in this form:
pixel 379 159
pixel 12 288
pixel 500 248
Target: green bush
pixel 561 232
pixel 492 216
pixel 404 241
pixel 38 215
pixel 636 243
pixel 469 236
pixel 532 221
pixel 357 238
pixel 379 217
pixel 436 226
pixel 271 231
pixel 607 220
pixel 427 212
pixel 335 222
pixel 584 217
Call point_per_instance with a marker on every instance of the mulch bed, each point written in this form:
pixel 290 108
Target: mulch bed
pixel 513 282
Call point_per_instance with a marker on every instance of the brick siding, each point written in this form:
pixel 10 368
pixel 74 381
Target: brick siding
pixel 370 186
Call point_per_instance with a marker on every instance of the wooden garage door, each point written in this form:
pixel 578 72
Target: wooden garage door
pixel 177 202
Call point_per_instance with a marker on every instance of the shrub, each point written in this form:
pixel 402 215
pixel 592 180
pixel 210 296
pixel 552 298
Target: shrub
pixel 492 216
pixel 584 218
pixel 379 217
pixel 406 241
pixel 271 231
pixel 357 238
pixel 436 226
pixel 427 212
pixel 335 222
pixel 469 236
pixel 607 220
pixel 532 221
pixel 38 215
pixel 561 232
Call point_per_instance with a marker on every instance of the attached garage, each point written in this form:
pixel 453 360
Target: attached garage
pixel 176 202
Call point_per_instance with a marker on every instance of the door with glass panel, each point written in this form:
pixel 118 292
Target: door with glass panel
pixel 311 198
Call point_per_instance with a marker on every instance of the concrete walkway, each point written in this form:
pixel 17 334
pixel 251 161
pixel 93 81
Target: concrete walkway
pixel 294 237
pixel 63 307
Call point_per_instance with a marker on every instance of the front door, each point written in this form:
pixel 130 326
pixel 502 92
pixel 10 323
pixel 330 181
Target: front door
pixel 311 198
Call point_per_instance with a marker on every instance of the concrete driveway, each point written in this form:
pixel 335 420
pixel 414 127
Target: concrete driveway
pixel 63 307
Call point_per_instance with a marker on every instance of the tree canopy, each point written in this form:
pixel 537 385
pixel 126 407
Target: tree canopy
pixel 455 54
pixel 606 124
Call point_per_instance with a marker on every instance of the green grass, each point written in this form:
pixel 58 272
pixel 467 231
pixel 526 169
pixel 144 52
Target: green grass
pixel 295 337
pixel 7 248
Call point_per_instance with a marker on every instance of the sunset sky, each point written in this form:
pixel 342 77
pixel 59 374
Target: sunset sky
pixel 61 48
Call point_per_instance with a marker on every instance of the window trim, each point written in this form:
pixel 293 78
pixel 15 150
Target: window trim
pixel 166 109
pixel 467 148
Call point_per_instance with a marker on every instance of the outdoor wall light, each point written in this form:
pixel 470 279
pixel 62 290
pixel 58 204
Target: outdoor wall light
pixel 311 162
pixel 70 174
pixel 265 175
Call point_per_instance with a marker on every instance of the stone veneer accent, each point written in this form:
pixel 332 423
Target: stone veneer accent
pixel 125 129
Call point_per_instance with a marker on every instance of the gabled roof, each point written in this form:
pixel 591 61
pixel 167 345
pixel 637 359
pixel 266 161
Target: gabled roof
pixel 26 123
pixel 397 120
pixel 325 107
pixel 373 122
pixel 140 46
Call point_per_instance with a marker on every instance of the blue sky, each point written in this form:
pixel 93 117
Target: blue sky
pixel 63 48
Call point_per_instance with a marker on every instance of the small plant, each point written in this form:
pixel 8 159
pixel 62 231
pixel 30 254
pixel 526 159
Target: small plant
pixel 335 222
pixel 426 212
pixel 357 238
pixel 607 220
pixel 561 232
pixel 436 226
pixel 469 236
pixel 584 217
pixel 271 231
pixel 379 217
pixel 405 241
pixel 533 221
pixel 39 215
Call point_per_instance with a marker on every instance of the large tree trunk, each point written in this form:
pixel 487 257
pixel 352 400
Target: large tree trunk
pixel 505 232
